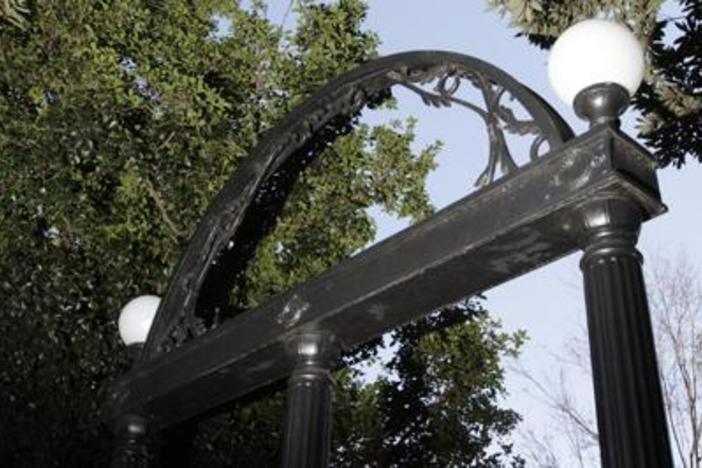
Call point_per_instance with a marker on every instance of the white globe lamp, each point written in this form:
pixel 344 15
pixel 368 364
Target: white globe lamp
pixel 596 66
pixel 136 318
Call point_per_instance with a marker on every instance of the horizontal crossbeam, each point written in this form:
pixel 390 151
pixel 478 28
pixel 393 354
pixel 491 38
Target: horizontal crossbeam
pixel 515 225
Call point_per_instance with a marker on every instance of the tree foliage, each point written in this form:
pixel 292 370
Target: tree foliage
pixel 434 403
pixel 448 373
pixel 119 121
pixel 670 99
pixel 13 12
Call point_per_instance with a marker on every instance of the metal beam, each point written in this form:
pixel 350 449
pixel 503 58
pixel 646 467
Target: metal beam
pixel 515 225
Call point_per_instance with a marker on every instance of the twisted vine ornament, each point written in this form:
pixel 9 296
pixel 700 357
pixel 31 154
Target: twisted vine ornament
pixel 497 117
pixel 245 208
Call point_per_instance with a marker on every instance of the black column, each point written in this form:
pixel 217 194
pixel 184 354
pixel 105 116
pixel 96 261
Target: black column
pixel 630 415
pixel 134 445
pixel 307 434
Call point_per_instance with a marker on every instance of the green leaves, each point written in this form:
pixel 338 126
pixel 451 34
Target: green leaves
pixel 444 410
pixel 669 99
pixel 325 219
pixel 14 12
pixel 119 122
pixel 544 20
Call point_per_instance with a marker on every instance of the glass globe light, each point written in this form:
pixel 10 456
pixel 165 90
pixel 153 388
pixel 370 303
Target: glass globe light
pixel 135 319
pixel 594 52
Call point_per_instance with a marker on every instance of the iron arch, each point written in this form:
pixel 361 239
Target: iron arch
pixel 233 216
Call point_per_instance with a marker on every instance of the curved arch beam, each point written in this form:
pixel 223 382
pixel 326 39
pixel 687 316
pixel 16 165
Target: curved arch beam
pixel 285 144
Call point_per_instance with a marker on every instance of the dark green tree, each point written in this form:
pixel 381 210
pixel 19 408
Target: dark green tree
pixel 435 406
pixel 670 99
pixel 14 12
pixel 119 121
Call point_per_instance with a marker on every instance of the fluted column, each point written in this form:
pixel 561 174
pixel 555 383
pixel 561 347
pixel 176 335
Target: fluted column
pixel 630 415
pixel 307 436
pixel 134 445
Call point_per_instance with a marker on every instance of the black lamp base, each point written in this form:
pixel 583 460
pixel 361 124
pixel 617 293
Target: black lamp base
pixel 601 103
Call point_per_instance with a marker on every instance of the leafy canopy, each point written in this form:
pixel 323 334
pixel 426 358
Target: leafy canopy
pixel 119 121
pixel 670 99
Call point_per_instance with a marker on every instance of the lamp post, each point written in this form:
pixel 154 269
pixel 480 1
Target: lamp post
pixel 630 416
pixel 134 444
pixel 589 193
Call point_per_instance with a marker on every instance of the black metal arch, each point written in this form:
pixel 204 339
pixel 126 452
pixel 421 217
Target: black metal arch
pixel 228 225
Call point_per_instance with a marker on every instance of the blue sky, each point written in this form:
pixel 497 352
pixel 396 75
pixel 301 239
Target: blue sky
pixel 548 304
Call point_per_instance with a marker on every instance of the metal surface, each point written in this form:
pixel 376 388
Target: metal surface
pixel 630 415
pixel 134 444
pixel 217 255
pixel 590 192
pixel 308 424
pixel 522 221
pixel 601 104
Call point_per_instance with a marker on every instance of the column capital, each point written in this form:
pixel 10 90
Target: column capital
pixel 313 348
pixel 134 447
pixel 609 225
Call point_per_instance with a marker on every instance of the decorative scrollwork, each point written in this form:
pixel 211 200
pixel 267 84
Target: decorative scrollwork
pixel 218 252
pixel 498 118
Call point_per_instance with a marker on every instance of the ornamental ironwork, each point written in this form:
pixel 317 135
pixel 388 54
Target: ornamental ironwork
pixel 197 297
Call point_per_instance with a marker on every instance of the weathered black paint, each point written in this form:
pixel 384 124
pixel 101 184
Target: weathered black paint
pixel 287 144
pixel 135 445
pixel 519 223
pixel 308 423
pixel 630 415
pixel 589 192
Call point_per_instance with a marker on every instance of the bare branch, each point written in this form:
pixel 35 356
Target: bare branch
pixel 675 298
pixel 176 234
